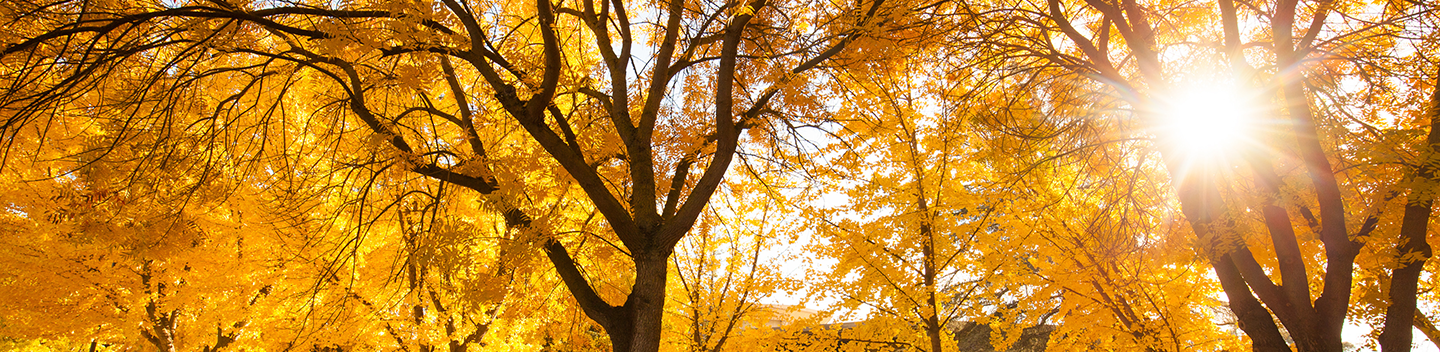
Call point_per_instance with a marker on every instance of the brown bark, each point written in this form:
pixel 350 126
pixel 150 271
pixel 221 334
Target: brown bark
pixel 1412 248
pixel 1322 333
pixel 162 331
pixel 1252 316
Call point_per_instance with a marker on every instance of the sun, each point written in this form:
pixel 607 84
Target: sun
pixel 1208 121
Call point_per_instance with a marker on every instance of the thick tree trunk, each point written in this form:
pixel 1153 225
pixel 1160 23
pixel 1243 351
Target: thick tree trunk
pixel 1250 315
pixel 636 325
pixel 647 302
pixel 1413 251
pixel 1323 332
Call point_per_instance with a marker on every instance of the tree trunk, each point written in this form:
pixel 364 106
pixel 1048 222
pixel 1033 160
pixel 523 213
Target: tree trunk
pixel 646 303
pixel 1412 249
pixel 162 324
pixel 932 330
pixel 634 326
pixel 162 333
pixel 932 322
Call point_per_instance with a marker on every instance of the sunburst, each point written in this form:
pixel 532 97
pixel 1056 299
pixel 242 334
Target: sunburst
pixel 1204 122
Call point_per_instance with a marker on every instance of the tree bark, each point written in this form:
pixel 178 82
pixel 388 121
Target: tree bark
pixel 932 321
pixel 647 300
pixel 1412 249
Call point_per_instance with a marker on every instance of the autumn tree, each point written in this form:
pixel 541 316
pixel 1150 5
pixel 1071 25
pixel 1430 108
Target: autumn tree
pixel 429 278
pixel 728 269
pixel 619 102
pixel 1096 259
pixel 1291 180
pixel 903 239
pixel 951 217
pixel 158 262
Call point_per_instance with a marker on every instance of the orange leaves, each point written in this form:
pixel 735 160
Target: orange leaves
pixel 938 171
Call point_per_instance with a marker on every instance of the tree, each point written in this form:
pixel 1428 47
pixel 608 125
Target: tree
pixel 158 261
pixel 400 166
pixel 903 239
pixel 1138 53
pixel 372 86
pixel 436 279
pixel 1087 244
pixel 726 269
pixel 952 210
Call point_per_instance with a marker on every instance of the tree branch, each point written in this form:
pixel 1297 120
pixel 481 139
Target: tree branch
pixel 595 307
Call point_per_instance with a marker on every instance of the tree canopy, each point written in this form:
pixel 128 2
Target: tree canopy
pixel 717 175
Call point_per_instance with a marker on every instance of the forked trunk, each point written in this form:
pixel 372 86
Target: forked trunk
pixel 635 325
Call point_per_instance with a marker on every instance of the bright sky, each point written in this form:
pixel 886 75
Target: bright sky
pixel 1356 334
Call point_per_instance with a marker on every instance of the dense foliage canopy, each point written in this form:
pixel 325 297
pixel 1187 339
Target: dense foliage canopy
pixel 930 175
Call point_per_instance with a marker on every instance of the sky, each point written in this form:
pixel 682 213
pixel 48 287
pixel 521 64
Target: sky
pixel 1356 334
